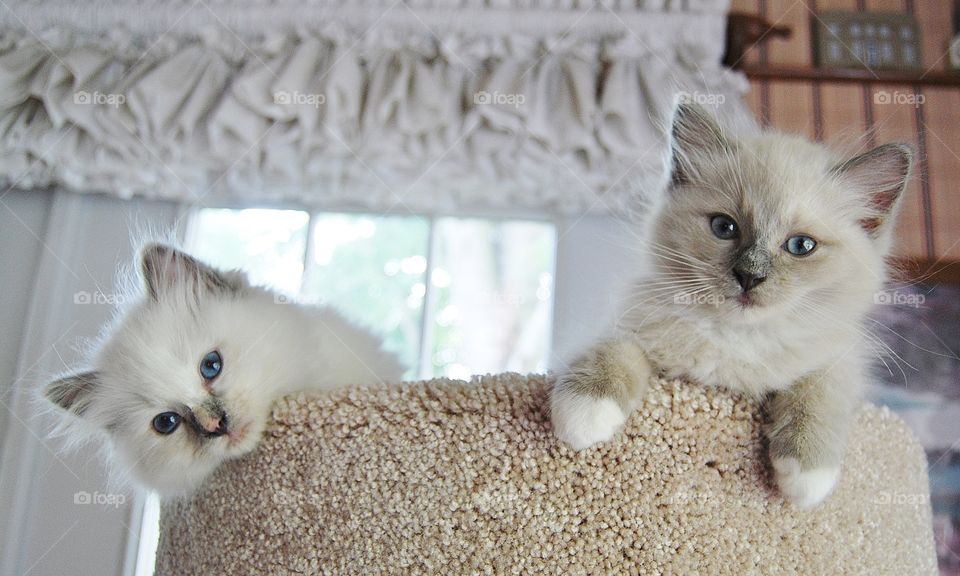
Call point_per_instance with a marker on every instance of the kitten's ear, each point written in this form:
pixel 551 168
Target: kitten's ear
pixel 72 393
pixel 165 269
pixel 881 176
pixel 694 134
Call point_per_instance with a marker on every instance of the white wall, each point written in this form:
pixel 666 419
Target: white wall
pixel 23 220
pixel 593 256
pixel 56 245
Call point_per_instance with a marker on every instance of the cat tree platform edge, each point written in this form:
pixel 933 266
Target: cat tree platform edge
pixel 446 477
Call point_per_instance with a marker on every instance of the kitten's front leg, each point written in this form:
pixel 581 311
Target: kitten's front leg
pixel 590 402
pixel 808 432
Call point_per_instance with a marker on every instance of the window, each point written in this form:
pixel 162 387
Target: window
pixel 450 296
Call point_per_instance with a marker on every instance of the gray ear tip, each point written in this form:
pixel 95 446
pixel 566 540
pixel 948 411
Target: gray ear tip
pixel 691 116
pixel 154 250
pixel 908 151
pixel 66 391
pixel 905 150
pixel 684 108
pixel 57 396
pixel 50 391
pixel 897 155
pixel 687 106
pixel 150 253
pixel 904 155
pixel 156 256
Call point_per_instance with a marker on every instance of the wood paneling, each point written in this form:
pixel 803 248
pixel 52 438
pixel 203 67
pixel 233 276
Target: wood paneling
pixel 852 75
pixel 935 19
pixel 897 123
pixel 748 6
pixel 844 113
pixel 796 15
pixel 791 108
pixel 841 112
pixel 941 116
pixel 886 5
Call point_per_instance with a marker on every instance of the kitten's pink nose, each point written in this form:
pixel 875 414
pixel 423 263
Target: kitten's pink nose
pixel 212 423
pixel 217 427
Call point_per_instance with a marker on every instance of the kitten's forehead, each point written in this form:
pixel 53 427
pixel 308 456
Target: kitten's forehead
pixel 781 182
pixel 158 349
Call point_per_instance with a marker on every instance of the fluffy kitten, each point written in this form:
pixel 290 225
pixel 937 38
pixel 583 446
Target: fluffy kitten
pixel 765 252
pixel 186 377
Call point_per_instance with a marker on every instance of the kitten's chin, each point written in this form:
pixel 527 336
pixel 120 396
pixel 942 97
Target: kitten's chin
pixel 749 308
pixel 176 482
pixel 745 300
pixel 242 439
pixel 722 305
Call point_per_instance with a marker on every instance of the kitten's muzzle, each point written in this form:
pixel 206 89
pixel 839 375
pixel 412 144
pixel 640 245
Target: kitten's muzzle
pixel 747 280
pixel 751 267
pixel 209 419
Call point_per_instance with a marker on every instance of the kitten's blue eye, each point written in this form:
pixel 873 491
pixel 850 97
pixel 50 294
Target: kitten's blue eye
pixel 800 245
pixel 724 227
pixel 166 422
pixel 211 365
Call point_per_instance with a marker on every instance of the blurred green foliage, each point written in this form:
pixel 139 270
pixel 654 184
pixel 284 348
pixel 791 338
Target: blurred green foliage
pixel 357 265
pixel 492 280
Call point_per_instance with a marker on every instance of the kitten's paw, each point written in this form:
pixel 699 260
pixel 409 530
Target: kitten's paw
pixel 580 421
pixel 805 488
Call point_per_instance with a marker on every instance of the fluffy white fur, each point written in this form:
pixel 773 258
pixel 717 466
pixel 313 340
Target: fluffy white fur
pixel 796 336
pixel 805 488
pixel 583 420
pixel 148 363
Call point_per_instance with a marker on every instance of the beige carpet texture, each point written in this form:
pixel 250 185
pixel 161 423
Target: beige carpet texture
pixel 446 477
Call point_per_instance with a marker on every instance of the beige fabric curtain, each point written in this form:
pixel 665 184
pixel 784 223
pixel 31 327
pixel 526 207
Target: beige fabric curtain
pixel 552 106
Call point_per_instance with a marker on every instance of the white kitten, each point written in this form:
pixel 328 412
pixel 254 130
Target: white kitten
pixel 765 255
pixel 186 377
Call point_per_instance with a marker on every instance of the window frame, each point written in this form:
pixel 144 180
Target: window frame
pixel 427 314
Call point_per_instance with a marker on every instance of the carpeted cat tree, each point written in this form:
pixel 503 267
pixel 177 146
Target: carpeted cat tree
pixel 446 477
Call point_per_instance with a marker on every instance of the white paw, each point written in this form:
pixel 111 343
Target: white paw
pixel 805 488
pixel 581 421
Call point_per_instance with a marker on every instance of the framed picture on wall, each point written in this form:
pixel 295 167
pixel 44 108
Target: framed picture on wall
pixel 873 40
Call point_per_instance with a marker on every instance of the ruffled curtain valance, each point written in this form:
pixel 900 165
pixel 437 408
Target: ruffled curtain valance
pixel 404 106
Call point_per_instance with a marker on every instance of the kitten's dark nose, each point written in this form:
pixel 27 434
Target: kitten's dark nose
pixel 747 280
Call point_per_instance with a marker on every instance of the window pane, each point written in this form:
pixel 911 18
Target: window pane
pixel 373 269
pixel 492 305
pixel 268 244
